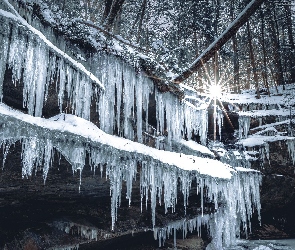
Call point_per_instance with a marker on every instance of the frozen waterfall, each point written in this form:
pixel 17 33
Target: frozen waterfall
pixel 237 190
pixel 123 97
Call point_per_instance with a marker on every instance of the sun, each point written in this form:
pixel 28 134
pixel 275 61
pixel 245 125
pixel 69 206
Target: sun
pixel 215 90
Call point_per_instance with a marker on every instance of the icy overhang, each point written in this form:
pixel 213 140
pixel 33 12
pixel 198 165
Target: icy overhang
pixel 161 172
pixel 65 126
pixel 20 21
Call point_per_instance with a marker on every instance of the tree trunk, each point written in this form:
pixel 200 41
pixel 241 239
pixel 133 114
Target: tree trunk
pixel 143 7
pixel 264 74
pixel 235 54
pixel 112 11
pixel 252 60
pixel 291 41
pixel 278 69
pixel 236 65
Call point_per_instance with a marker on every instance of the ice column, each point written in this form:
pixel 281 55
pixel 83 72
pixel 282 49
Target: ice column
pixel 291 148
pixel 4 28
pixel 179 118
pixel 122 83
pixel 244 126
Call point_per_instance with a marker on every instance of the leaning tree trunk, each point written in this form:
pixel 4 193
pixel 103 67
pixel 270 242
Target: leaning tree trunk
pixel 220 41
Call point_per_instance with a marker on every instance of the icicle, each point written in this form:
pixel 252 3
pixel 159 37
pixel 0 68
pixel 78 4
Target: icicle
pixel 17 52
pixel 266 148
pixel 186 225
pixel 119 89
pixel 51 72
pixel 6 144
pixel 40 75
pixel 30 156
pixel 139 99
pixel 3 53
pixel 220 122
pixel 291 148
pixel 148 88
pixel 82 96
pixel 62 83
pixel 48 154
pixel 160 112
pixel 34 60
pixel 244 126
pixel 129 83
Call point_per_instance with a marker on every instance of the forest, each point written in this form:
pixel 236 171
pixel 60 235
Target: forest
pixel 175 33
pixel 147 124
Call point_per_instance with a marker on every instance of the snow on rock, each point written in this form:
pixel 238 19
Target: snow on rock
pixel 75 138
pixel 245 117
pixel 262 113
pixel 259 140
pixel 196 147
pixel 263 141
pixel 262 248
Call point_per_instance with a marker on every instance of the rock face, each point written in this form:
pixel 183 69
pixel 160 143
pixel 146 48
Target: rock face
pixel 277 194
pixel 275 162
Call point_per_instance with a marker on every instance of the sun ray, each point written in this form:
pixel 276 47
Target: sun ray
pixel 226 115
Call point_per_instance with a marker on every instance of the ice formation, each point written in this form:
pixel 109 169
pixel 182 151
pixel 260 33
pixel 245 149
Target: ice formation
pixel 244 126
pixel 87 232
pixel 291 148
pixel 175 118
pixel 186 225
pixel 70 247
pixel 75 88
pixel 219 117
pixel 160 170
pixel 241 195
pixel 42 64
pixel 123 110
pixel 181 118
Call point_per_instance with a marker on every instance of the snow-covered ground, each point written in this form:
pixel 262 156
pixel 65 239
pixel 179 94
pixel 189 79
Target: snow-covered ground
pixel 287 244
pixel 277 96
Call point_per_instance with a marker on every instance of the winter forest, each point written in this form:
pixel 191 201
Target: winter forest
pixel 147 124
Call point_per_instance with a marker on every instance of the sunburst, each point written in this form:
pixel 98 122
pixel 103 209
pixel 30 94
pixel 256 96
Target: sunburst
pixel 214 89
